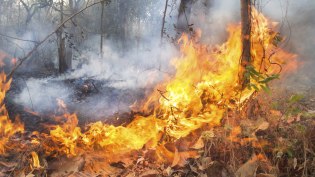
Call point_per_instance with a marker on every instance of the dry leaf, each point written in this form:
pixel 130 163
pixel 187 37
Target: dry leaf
pixel 150 172
pixel 176 158
pixel 276 113
pixel 168 171
pixel 290 119
pixel 181 157
pixel 265 175
pixel 30 175
pixel 249 168
pixel 263 126
pixel 199 144
pixel 203 175
pixel 294 163
pixel 205 163
pixel 132 174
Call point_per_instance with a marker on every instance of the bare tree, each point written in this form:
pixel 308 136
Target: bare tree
pixel 32 9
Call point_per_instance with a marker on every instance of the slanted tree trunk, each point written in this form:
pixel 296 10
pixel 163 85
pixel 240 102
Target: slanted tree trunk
pixel 184 15
pixel 246 36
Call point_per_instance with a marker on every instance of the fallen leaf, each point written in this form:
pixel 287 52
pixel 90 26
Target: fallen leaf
pixel 263 126
pixel 249 168
pixel 176 158
pixel 199 144
pixel 168 171
pixel 205 163
pixel 149 172
pixel 265 175
pixel 290 119
pixel 294 163
pixel 276 113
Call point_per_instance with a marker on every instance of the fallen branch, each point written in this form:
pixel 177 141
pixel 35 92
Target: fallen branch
pixel 21 61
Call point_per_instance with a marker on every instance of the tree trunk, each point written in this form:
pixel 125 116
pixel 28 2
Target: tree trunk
pixel 163 20
pixel 246 36
pixel 184 15
pixel 64 65
pixel 102 18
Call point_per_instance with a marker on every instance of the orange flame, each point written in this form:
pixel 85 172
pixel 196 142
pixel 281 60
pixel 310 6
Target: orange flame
pixel 36 163
pixel 7 127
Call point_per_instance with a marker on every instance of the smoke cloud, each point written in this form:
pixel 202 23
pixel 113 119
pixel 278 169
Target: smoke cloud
pixel 127 76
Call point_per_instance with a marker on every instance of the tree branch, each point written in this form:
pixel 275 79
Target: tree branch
pixel 26 40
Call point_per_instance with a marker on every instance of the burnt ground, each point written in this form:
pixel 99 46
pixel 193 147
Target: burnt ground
pixel 85 93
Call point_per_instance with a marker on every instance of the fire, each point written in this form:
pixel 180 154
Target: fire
pixel 204 87
pixel 7 127
pixel 36 163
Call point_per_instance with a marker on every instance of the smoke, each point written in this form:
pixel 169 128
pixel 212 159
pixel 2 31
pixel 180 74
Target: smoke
pixel 125 75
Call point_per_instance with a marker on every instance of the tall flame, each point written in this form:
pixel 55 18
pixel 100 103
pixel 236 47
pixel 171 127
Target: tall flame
pixel 7 127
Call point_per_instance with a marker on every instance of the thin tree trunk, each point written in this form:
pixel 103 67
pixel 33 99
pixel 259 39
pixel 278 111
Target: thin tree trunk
pixel 62 45
pixel 246 44
pixel 163 21
pixel 184 16
pixel 102 18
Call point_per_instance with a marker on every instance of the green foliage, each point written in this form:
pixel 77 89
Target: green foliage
pixel 295 98
pixel 261 80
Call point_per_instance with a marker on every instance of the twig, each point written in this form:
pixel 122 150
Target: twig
pixel 48 36
pixel 29 94
pixel 95 87
pixel 11 37
pixel 162 94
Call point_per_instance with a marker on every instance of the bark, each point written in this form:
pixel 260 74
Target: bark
pixel 184 15
pixel 63 63
pixel 246 29
pixel 102 18
pixel 163 20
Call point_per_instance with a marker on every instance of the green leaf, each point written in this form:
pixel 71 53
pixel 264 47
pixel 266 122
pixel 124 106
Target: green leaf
pixel 296 98
pixel 255 87
pixel 265 88
pixel 270 78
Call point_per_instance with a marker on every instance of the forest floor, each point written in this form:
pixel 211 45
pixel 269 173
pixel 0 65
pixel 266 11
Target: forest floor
pixel 274 135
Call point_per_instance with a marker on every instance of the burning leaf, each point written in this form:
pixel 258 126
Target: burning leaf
pixel 36 163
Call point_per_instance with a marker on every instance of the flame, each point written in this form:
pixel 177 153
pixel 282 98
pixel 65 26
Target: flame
pixel 35 159
pixel 204 87
pixel 7 127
